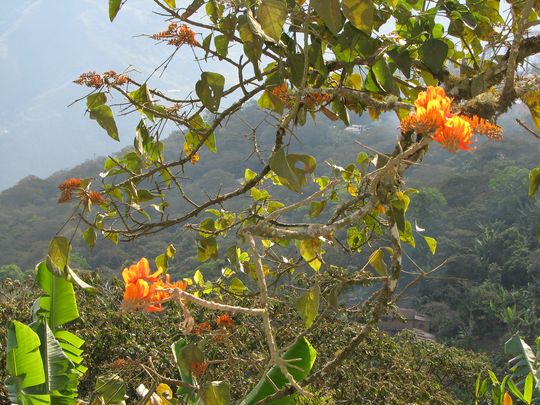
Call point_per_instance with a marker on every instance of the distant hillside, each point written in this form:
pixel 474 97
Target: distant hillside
pixel 475 204
pixel 30 214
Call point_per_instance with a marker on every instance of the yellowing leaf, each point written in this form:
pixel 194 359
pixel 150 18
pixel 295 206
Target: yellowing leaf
pixel 272 15
pixel 360 13
pixel 432 244
pixel 308 305
pixel 376 260
pixel 532 99
pixel 310 249
pixel 373 113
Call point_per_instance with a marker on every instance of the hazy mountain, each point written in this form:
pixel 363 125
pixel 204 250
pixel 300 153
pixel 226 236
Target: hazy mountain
pixel 44 45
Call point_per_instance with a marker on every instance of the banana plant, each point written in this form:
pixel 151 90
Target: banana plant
pixel 523 380
pixel 45 360
pixel 525 367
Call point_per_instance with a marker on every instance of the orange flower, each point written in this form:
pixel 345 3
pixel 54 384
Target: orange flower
pixel 67 188
pixel 177 35
pixel 224 321
pixel 110 78
pixel 139 270
pixel 432 93
pixel 432 109
pixel 137 294
pixel 201 328
pixel 147 291
pixel 483 127
pixel 455 134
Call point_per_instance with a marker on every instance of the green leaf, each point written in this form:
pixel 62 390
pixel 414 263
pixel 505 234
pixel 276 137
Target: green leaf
pixel 114 7
pixel 90 237
pixel 95 100
pixel 384 77
pixel 376 260
pixel 271 102
pixel 161 262
pixel 237 287
pixel 432 244
pixel 188 355
pixel 301 356
pixel 198 278
pixel 24 364
pixel 310 250
pixel 285 167
pixel 316 207
pixel 58 255
pixel 104 117
pixel 177 348
pixel 534 181
pixel 216 393
pixel 210 90
pixel 58 304
pixel 528 388
pixel 170 251
pixel 221 43
pixel 514 390
pixel 406 234
pixel 538 234
pixel 362 157
pixel 433 53
pixel 330 13
pixel 60 372
pixel 171 3
pixel 200 128
pixel 111 388
pixel 402 59
pixel 308 305
pixel 296 64
pixel 272 15
pixel 142 100
pixel 207 249
pixel 360 13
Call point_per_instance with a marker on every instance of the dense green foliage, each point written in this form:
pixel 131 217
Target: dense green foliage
pixel 118 343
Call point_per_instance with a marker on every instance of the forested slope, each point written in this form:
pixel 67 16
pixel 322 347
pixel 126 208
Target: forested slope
pixel 474 204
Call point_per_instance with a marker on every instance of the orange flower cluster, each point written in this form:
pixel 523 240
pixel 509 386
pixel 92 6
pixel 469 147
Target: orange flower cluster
pixel 224 321
pixel 455 134
pixel 202 328
pixel 177 35
pixel 147 291
pixel 93 197
pixel 68 187
pixel 434 116
pixel 109 78
pixel 311 100
pixel 483 127
pixel 315 99
pixel 198 368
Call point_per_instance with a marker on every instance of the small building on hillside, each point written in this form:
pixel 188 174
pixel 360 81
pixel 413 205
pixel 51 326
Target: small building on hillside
pixel 410 319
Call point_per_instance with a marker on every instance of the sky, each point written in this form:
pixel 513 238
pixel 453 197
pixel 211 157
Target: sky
pixel 44 46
